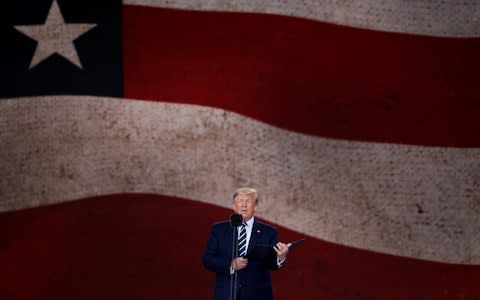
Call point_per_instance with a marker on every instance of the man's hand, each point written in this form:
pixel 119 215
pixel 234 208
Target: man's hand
pixel 282 250
pixel 239 263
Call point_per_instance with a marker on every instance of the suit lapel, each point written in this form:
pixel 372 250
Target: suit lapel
pixel 229 236
pixel 254 236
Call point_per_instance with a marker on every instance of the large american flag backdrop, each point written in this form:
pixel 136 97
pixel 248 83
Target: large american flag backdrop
pixel 125 127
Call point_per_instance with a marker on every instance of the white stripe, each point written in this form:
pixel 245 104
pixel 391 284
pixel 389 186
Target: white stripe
pixel 407 200
pixel 424 17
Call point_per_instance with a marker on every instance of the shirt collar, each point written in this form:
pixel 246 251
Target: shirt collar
pixel 250 222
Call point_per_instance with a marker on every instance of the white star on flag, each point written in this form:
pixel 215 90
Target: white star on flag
pixel 55 36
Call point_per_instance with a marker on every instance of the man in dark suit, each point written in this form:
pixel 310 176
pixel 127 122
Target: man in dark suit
pixel 252 276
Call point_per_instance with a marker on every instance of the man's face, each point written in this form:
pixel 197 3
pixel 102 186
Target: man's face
pixel 245 205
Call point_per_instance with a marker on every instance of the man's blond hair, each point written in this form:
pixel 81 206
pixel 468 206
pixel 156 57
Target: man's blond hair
pixel 246 191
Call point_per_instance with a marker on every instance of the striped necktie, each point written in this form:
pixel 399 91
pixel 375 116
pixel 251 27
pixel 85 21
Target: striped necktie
pixel 242 241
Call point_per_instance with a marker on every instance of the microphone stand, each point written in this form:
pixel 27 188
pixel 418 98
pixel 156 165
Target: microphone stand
pixel 236 220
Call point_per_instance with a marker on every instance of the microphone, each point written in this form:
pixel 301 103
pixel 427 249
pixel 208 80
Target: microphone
pixel 236 219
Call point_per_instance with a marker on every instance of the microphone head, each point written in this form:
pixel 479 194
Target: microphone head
pixel 236 219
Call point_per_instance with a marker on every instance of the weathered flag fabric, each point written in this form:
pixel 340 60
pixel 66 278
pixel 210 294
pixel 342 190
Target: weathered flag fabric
pixel 125 128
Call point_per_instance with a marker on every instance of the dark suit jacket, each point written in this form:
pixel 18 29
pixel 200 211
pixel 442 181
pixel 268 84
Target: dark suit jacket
pixel 254 280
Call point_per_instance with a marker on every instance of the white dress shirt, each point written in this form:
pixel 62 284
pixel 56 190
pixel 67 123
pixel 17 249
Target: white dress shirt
pixel 248 228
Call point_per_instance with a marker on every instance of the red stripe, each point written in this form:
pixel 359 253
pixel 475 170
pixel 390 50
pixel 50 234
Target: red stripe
pixel 149 247
pixel 307 76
